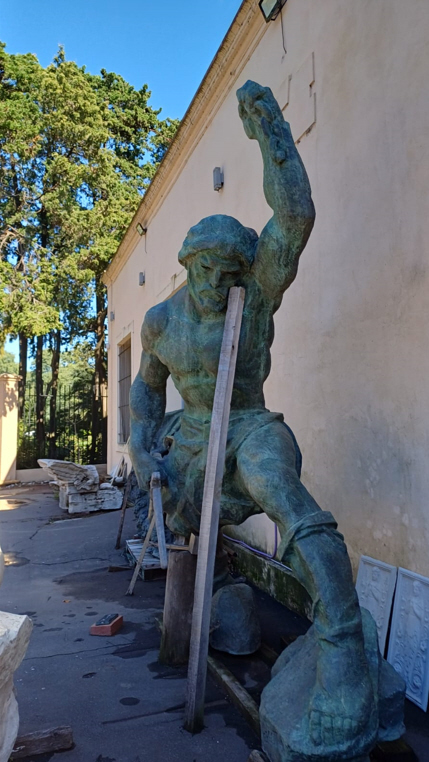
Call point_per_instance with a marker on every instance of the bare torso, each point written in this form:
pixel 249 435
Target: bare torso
pixel 190 347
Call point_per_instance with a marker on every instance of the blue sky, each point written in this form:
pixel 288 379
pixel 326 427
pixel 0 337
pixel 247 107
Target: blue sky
pixel 167 45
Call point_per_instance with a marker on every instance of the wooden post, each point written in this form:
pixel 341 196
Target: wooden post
pixel 155 485
pixel 197 671
pixel 123 509
pixel 179 596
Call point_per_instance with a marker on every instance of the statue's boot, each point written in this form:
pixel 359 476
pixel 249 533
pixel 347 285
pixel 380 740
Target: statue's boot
pixel 340 716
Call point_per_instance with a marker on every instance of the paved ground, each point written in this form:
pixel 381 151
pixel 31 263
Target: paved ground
pixel 122 705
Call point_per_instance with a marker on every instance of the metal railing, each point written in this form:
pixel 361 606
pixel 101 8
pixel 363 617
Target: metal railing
pixel 71 426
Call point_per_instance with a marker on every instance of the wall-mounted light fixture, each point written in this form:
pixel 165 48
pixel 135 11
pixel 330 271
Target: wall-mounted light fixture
pixel 142 279
pixel 111 316
pixel 270 9
pixel 217 179
pixel 140 229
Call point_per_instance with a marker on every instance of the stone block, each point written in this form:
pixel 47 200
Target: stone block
pixel 234 625
pixel 285 702
pixel 103 500
pixel 82 503
pixel 15 633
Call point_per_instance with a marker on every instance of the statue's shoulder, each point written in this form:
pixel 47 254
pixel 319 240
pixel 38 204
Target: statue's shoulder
pixel 154 324
pixel 157 318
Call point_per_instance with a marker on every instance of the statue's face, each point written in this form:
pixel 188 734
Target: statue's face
pixel 210 276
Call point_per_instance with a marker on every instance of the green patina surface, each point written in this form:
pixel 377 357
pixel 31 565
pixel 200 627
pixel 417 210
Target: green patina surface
pixel 272 578
pixel 182 338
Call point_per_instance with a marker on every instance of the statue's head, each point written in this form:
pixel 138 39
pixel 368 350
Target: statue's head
pixel 218 253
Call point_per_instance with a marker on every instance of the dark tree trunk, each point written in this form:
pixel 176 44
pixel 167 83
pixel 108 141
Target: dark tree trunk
pixel 55 368
pixel 99 399
pixel 40 400
pixel 23 353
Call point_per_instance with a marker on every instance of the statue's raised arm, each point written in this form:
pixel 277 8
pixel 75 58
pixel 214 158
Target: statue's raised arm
pixel 286 188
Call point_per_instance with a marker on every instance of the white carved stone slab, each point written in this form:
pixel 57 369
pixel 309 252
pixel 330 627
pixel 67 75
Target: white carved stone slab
pixel 107 499
pixel 66 473
pixel 15 633
pixel 375 586
pixel 409 636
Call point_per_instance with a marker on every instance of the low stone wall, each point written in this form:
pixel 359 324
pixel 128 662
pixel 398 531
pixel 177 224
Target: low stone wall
pixel 30 475
pixel 271 577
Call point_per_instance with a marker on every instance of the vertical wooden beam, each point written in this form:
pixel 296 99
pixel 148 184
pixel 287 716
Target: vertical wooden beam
pixel 123 509
pixel 197 670
pixel 179 598
pixel 155 485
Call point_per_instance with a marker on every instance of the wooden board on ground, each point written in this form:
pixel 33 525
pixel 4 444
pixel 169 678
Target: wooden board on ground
pixel 43 742
pixel 210 509
pixel 393 751
pixel 238 695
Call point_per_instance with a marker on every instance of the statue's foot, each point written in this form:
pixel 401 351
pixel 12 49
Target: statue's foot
pixel 322 703
pixel 342 704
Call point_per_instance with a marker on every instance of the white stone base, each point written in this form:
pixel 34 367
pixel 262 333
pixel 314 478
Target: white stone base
pixel 103 500
pixel 15 634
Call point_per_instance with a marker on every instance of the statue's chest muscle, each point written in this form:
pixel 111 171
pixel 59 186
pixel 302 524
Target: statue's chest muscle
pixel 190 348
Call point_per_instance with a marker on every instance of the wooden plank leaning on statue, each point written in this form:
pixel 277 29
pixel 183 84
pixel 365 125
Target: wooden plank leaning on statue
pixel 197 670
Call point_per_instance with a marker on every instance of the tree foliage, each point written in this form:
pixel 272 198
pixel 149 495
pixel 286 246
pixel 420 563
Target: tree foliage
pixel 77 152
pixel 8 363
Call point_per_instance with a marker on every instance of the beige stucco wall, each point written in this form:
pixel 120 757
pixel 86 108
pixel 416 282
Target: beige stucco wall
pixel 350 357
pixel 8 426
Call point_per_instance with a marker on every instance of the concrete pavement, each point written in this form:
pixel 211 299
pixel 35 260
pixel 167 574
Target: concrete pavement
pixel 122 705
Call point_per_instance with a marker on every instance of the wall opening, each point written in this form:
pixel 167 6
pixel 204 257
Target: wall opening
pixel 124 386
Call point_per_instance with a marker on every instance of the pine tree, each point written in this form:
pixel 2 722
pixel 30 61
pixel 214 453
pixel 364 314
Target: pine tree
pixel 77 152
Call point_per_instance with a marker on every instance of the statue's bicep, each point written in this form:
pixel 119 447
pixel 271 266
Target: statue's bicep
pixel 152 371
pixel 275 266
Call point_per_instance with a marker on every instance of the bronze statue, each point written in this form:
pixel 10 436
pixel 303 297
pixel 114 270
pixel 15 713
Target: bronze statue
pixel 181 337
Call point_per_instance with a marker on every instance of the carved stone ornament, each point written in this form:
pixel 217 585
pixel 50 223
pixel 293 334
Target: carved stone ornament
pixel 80 490
pixel 409 636
pixel 375 587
